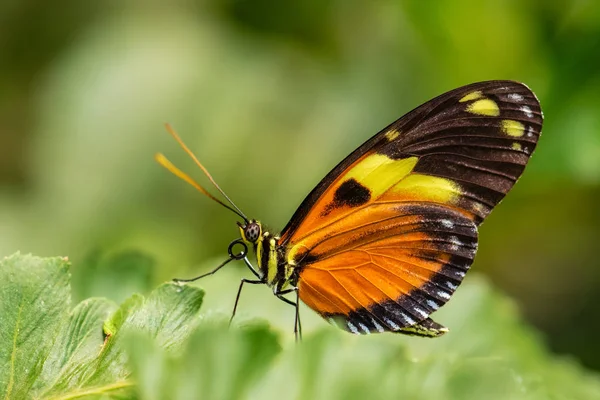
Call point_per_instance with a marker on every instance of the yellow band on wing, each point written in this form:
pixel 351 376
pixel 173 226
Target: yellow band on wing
pixel 378 172
pixel 427 188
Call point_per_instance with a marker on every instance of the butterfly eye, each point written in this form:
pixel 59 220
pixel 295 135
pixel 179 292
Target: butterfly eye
pixel 252 231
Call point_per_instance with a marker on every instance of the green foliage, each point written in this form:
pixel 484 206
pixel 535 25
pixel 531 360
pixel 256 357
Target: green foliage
pixel 489 354
pixel 217 363
pixel 49 351
pixel 270 96
pixel 156 348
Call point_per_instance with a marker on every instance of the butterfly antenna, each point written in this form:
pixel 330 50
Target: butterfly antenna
pixel 164 162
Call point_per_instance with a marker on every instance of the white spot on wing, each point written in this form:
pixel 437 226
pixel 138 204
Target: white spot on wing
pixel 456 244
pixel 447 223
pixel 352 328
pixel 527 111
pixel 421 312
pixel 452 285
pixel 409 320
pixel 443 294
pixel 461 274
pixel 391 323
pixel 530 131
pixel 377 326
pixel 432 304
pixel 515 97
pixel 364 328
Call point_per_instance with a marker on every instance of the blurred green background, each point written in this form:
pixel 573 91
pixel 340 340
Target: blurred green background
pixel 270 96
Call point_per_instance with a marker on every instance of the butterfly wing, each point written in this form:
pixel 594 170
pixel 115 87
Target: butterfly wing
pixel 392 269
pixel 416 191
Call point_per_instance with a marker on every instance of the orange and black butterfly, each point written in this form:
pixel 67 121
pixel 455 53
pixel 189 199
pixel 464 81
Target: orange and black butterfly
pixel 385 239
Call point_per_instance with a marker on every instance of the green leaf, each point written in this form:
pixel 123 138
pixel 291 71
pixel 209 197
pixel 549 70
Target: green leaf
pixel 154 347
pixel 217 363
pixel 77 345
pixel 52 352
pixel 34 304
pixel 489 353
pixel 168 315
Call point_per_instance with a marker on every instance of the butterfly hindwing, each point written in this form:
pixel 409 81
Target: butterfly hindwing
pixel 391 269
pixel 396 220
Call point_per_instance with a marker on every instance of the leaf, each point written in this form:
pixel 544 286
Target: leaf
pixel 53 352
pixel 34 304
pixel 217 363
pixel 489 353
pixel 77 345
pixel 168 315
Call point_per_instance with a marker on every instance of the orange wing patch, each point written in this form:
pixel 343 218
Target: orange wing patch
pixel 390 274
pixel 365 181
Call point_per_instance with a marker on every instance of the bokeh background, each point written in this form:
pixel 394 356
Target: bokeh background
pixel 271 95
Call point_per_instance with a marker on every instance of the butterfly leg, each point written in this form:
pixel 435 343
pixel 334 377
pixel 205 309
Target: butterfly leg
pixel 237 298
pixel 177 280
pixel 296 304
pixel 241 255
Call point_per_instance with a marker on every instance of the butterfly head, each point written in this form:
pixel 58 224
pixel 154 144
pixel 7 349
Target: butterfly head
pixel 250 231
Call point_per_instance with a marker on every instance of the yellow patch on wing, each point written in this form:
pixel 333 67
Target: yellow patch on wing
pixel 427 188
pixel 472 96
pixel 378 172
pixel 513 128
pixel 484 107
pixel 392 135
pixel 517 146
pixel 375 172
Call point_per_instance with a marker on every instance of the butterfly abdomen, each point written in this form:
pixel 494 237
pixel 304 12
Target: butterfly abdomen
pixel 270 259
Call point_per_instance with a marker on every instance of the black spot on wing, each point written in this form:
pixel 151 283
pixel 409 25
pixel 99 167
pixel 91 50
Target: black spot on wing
pixel 351 194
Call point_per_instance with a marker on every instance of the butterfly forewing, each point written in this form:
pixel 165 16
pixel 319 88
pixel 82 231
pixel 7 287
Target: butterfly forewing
pixel 480 138
pixel 387 236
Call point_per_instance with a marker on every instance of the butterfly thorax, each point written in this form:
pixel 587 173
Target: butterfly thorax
pixel 273 267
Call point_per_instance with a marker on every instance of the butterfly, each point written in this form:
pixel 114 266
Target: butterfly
pixel 386 238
